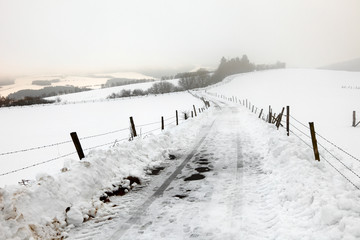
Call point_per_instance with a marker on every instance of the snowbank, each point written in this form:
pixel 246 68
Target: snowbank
pixel 52 202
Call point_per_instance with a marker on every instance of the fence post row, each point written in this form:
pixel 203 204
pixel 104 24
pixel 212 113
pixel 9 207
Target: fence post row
pixel 314 142
pixel 77 144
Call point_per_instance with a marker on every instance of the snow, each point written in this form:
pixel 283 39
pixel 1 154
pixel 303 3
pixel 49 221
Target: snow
pixel 327 98
pixel 261 183
pixel 102 94
pixel 29 127
pixel 43 202
pixel 94 82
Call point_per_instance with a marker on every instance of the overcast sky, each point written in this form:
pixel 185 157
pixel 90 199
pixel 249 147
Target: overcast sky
pixel 78 36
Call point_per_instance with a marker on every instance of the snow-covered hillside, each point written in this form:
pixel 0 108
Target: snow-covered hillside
pixel 93 82
pixel 37 126
pixel 234 176
pixel 102 94
pixel 327 98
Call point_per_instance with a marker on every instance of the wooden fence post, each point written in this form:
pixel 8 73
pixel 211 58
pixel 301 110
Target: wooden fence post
pixel 314 142
pixel 273 118
pixel 288 120
pixel 133 129
pixel 246 103
pixel 354 118
pixel 192 114
pixel 185 116
pixel 279 118
pixel 77 144
pixel 194 110
pixel 162 123
pixel 270 115
pixel 177 118
pixel 260 113
pixel 252 110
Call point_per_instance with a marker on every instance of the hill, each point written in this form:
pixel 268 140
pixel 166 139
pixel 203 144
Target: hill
pixel 351 65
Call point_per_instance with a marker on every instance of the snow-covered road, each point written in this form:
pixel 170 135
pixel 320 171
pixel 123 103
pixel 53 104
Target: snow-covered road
pixel 238 182
pixel 229 186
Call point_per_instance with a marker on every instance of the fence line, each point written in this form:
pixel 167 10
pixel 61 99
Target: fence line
pixel 277 120
pixel 113 143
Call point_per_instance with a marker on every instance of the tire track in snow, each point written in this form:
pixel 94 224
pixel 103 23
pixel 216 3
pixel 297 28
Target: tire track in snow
pixel 137 215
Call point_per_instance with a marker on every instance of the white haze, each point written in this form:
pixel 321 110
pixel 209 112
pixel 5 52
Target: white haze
pixel 51 36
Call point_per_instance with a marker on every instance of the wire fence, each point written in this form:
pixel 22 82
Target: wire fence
pixel 114 141
pixel 299 130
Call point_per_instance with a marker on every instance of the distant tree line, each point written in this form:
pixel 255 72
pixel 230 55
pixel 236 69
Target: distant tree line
pixel 157 88
pixel 167 77
pixel 114 82
pixel 8 102
pixel 44 82
pixel 46 92
pixel 201 78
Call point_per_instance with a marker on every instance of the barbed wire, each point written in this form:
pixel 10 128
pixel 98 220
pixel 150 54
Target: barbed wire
pixel 168 124
pixel 333 144
pixel 328 141
pixel 103 134
pixel 151 130
pixel 300 131
pixel 166 119
pixel 322 156
pixel 60 143
pixel 36 164
pixel 35 148
pixel 148 124
pixel 106 144
pixel 338 160
pixel 340 172
pixel 299 122
pixel 300 139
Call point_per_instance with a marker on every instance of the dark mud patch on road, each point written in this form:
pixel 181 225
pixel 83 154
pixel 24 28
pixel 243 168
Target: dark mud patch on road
pixel 202 169
pixel 195 177
pixel 156 171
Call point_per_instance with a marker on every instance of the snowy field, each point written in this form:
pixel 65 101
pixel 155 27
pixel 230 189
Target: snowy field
pixel 38 126
pixel 327 98
pixel 102 94
pixel 93 82
pixel 258 184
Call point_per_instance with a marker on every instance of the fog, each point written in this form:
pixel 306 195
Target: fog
pixel 47 36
